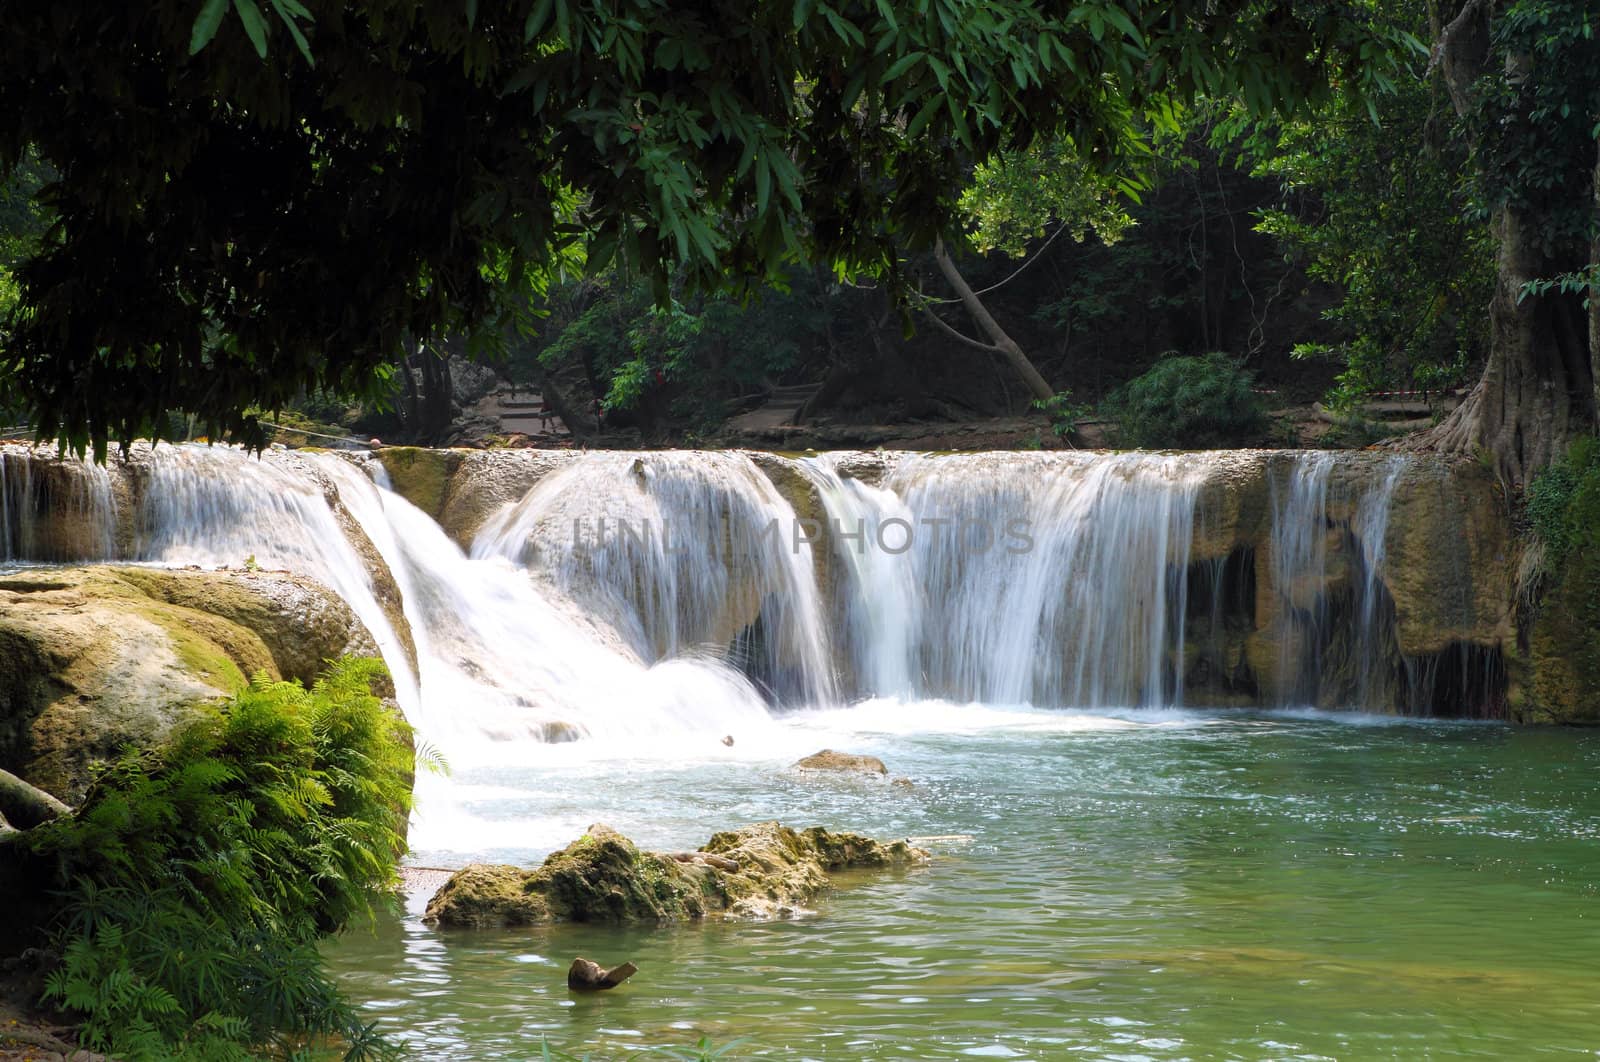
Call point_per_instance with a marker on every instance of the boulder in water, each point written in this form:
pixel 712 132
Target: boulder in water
pixel 761 871
pixel 846 762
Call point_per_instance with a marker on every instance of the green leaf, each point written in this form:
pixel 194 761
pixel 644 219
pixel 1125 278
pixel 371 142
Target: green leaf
pixel 901 65
pixel 255 27
pixel 536 20
pixel 763 185
pixel 472 13
pixel 285 11
pixel 206 24
pixel 924 116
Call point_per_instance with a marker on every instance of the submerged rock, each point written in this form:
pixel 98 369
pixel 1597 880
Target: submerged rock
pixel 761 871
pixel 829 760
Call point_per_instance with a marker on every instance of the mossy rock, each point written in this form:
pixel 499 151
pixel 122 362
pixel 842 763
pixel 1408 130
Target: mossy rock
pixel 1563 656
pixel 421 475
pixel 762 871
pixel 96 659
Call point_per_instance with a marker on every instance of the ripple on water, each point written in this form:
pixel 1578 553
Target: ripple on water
pixel 1137 885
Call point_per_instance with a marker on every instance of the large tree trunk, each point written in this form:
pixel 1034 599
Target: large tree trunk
pixel 1538 387
pixel 1007 346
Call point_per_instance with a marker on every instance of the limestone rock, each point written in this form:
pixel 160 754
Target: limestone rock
pixel 829 760
pixel 762 871
pixel 93 659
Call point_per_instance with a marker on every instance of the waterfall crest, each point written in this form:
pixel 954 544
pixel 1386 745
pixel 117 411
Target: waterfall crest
pixel 637 596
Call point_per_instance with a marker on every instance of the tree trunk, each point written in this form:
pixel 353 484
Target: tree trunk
pixel 1539 385
pixel 437 406
pixel 1594 296
pixel 1007 346
pixel 1537 389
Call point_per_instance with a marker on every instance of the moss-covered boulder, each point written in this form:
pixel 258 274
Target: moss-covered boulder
pixel 762 871
pixel 93 659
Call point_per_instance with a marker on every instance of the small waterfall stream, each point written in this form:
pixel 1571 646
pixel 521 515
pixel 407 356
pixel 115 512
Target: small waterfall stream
pixel 634 597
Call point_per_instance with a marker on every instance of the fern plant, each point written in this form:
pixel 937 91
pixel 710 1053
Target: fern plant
pixel 197 879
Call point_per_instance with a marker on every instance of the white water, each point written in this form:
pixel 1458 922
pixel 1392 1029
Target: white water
pixel 655 602
pixel 1299 561
pixel 1018 578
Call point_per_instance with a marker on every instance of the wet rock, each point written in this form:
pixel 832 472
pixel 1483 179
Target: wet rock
pixel 829 760
pixel 761 871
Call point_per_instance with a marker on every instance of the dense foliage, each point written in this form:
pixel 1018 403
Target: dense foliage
pixel 199 878
pixel 1563 503
pixel 231 231
pixel 1189 403
pixel 1383 208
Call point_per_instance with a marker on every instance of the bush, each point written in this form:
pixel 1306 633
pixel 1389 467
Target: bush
pixel 198 879
pixel 1189 403
pixel 1559 522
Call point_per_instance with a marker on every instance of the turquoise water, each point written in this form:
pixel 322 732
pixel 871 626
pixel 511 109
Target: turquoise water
pixel 1150 886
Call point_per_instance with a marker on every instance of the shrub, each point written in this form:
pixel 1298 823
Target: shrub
pixel 198 879
pixel 1189 403
pixel 1563 499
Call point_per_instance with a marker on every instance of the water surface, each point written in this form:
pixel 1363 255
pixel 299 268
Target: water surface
pixel 1150 885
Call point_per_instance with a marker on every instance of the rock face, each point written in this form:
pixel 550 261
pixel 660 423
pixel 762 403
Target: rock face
pixel 93 659
pixel 829 760
pixel 762 871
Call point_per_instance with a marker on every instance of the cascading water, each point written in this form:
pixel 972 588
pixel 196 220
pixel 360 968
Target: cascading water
pixel 680 552
pixel 53 509
pixel 626 597
pixel 882 603
pixel 1299 559
pixel 1053 579
pixel 1373 633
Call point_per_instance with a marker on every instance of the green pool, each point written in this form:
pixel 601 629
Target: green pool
pixel 1150 885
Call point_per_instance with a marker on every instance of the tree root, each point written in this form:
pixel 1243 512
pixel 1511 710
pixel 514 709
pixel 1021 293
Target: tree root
pixel 24 806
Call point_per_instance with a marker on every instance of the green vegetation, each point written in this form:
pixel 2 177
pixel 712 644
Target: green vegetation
pixel 1189 403
pixel 297 201
pixel 1382 207
pixel 1564 503
pixel 197 879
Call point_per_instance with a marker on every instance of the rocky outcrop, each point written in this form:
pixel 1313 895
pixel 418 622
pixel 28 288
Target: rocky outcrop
pixel 461 489
pixel 843 762
pixel 94 659
pixel 762 871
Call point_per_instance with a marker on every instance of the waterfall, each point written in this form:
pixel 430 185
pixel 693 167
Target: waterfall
pixel 54 509
pixel 1373 633
pixel 1299 551
pixel 679 552
pixel 882 603
pixel 641 597
pixel 1052 579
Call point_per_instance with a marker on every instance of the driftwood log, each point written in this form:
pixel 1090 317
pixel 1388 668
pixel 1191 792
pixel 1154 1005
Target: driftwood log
pixel 587 976
pixel 23 806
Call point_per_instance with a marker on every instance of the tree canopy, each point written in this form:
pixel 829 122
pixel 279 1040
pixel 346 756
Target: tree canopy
pixel 246 205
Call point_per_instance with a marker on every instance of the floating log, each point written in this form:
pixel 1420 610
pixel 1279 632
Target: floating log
pixel 587 976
